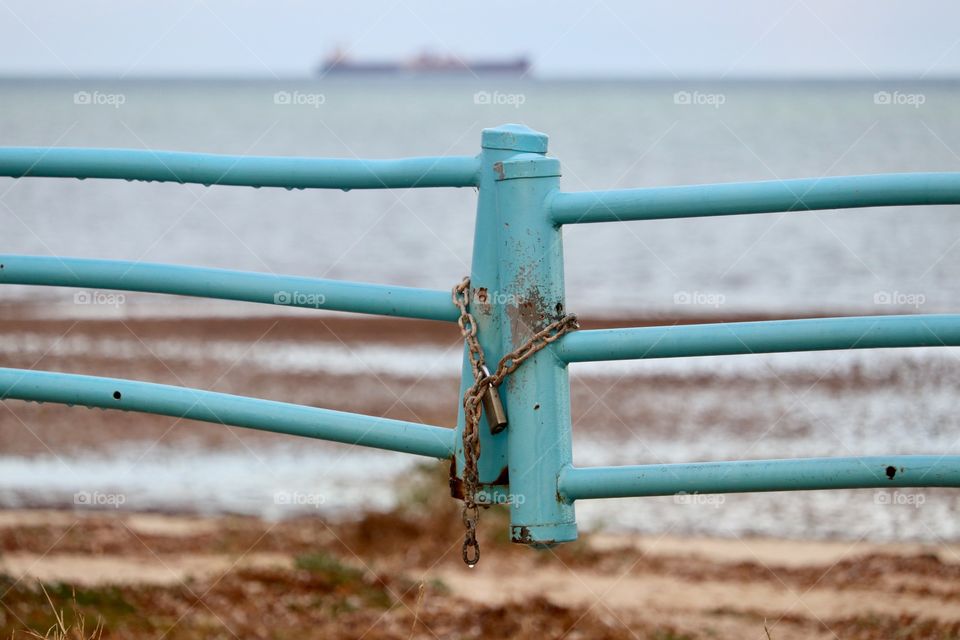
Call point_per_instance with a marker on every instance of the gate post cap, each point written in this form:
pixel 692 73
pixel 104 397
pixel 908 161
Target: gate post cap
pixel 514 137
pixel 526 165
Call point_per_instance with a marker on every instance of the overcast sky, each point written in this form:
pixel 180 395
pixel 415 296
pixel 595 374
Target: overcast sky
pixel 917 38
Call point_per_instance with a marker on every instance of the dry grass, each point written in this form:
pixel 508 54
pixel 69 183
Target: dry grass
pixel 62 630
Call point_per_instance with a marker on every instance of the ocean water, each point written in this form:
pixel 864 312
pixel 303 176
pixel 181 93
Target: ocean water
pixel 607 135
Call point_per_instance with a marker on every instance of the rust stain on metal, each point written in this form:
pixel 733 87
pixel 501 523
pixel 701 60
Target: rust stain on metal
pixel 481 296
pixel 456 488
pixel 498 169
pixel 527 317
pixel 520 535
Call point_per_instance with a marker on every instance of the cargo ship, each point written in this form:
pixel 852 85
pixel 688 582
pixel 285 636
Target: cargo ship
pixel 425 64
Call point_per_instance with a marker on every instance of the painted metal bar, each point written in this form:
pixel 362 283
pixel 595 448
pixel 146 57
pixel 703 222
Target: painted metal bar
pixel 815 334
pixel 224 284
pixel 492 466
pixel 807 194
pixel 249 171
pixel 743 476
pixel 222 408
pixel 531 296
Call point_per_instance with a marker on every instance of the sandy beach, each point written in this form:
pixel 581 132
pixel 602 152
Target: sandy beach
pixel 199 577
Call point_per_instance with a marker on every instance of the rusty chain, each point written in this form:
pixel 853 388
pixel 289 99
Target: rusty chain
pixel 483 380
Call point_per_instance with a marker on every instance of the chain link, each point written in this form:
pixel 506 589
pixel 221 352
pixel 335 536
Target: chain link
pixel 473 402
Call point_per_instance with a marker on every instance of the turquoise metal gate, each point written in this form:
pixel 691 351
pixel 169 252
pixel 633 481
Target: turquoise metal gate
pixel 516 290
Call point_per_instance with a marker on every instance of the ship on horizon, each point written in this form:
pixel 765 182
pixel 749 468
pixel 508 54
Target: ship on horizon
pixel 424 64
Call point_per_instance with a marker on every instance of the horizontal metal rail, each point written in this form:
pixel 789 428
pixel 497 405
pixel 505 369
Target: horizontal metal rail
pixel 807 194
pixel 224 284
pixel 249 171
pixel 772 336
pixel 222 408
pixel 759 475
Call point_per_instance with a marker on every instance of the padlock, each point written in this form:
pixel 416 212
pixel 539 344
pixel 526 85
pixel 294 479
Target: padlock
pixel 493 407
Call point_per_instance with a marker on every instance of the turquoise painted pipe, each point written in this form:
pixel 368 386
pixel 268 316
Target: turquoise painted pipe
pixel 222 408
pixel 248 171
pixel 760 475
pixel 536 396
pixel 293 291
pixel 880 190
pixel 485 276
pixel 815 334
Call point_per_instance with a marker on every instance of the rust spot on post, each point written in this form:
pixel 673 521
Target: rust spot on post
pixel 531 314
pixel 520 535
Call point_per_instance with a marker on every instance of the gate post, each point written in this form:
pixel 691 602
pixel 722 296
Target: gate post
pixel 516 289
pixel 484 282
pixel 530 296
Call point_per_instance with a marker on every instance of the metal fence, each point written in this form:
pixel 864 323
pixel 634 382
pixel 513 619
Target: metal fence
pixel 515 291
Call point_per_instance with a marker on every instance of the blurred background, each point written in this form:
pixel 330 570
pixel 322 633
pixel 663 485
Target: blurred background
pixel 631 95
